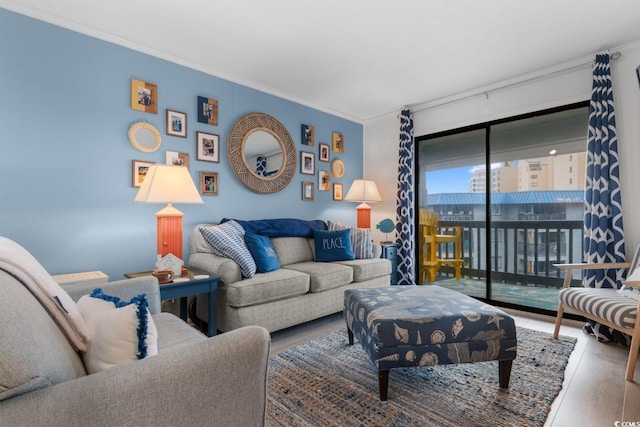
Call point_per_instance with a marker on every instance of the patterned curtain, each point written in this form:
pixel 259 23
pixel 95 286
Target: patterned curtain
pixel 261 166
pixel 603 230
pixel 405 214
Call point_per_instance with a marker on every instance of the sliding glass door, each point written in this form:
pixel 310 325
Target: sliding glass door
pixel 515 189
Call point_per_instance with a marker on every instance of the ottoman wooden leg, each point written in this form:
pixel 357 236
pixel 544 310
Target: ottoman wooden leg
pixel 504 373
pixel 350 333
pixel 383 383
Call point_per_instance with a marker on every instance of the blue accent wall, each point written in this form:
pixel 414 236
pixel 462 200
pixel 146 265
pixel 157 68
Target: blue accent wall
pixel 66 162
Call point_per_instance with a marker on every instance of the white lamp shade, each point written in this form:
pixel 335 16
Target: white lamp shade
pixel 363 190
pixel 168 184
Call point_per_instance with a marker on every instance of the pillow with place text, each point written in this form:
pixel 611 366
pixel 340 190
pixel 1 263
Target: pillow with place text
pixel 360 239
pixel 262 252
pixel 121 331
pixel 333 245
pixel 227 240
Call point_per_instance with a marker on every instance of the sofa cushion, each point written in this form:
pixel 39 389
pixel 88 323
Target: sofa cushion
pixel 262 252
pixel 360 239
pixel 266 287
pixel 292 250
pixel 121 331
pixel 365 269
pixel 35 352
pixel 333 245
pixel 228 240
pixel 324 275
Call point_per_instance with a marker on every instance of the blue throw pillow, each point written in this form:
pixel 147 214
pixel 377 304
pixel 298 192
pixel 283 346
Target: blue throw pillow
pixel 360 239
pixel 333 245
pixel 262 252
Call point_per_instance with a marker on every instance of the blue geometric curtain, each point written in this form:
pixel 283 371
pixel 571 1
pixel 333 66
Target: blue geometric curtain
pixel 405 214
pixel 603 229
pixel 261 165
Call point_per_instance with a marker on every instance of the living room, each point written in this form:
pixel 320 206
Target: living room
pixel 67 170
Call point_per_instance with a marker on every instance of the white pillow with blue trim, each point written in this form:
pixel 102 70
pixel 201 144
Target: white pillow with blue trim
pixel 120 331
pixel 227 240
pixel 630 291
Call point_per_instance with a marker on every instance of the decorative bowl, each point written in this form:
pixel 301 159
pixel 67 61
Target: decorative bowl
pixel 163 276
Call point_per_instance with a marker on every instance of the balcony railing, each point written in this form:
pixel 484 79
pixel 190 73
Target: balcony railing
pixel 523 252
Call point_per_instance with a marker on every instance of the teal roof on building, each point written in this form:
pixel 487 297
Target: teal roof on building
pixel 513 198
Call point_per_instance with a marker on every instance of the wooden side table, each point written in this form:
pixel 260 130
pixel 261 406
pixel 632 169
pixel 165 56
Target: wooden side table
pixel 187 288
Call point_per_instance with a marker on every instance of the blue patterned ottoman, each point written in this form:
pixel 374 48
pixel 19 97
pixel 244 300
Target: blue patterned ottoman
pixel 414 326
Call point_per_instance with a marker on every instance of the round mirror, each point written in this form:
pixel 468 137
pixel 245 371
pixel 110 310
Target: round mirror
pixel 262 153
pixel 144 137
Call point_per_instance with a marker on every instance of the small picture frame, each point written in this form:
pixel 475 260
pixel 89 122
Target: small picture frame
pixel 144 96
pixel 176 123
pixel 207 147
pixel 324 180
pixel 207 111
pixel 307 163
pixel 337 191
pixel 139 172
pixel 177 159
pixel 324 152
pixel 209 183
pixel 338 142
pixel 307 191
pixel 308 135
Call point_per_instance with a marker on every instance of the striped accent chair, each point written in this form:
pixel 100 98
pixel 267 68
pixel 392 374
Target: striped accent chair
pixel 609 307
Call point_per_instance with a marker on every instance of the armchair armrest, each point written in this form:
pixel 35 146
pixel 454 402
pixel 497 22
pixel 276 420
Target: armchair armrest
pixel 125 289
pixel 216 381
pixel 587 266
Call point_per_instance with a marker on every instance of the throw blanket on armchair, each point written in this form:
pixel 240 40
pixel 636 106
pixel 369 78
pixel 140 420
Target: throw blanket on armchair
pixel 281 227
pixel 17 261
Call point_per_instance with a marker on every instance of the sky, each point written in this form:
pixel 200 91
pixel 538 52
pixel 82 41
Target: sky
pixel 449 180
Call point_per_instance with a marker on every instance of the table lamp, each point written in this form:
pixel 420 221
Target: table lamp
pixel 363 190
pixel 168 184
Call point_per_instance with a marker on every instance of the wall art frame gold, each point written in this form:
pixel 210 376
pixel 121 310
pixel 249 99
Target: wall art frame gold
pixel 144 96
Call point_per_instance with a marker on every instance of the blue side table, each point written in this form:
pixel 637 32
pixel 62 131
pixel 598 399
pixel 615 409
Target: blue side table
pixel 390 252
pixel 187 288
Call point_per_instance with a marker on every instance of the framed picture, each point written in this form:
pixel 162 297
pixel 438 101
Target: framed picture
pixel 207 111
pixel 324 152
pixel 176 123
pixel 177 159
pixel 144 96
pixel 307 163
pixel 338 142
pixel 337 191
pixel 139 171
pixel 209 183
pixel 324 180
pixel 308 135
pixel 307 191
pixel 207 147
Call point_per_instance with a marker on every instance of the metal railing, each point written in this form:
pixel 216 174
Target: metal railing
pixel 522 252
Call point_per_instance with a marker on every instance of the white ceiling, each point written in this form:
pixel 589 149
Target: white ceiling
pixel 359 59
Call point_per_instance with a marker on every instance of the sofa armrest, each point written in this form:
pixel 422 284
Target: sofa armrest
pixel 227 269
pixel 217 381
pixel 125 289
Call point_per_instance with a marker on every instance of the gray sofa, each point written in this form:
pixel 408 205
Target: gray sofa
pixel 194 380
pixel 300 291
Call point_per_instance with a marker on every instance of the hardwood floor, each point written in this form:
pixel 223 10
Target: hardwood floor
pixel 594 392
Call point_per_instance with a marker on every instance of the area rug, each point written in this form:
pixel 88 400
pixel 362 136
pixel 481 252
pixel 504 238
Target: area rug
pixel 326 382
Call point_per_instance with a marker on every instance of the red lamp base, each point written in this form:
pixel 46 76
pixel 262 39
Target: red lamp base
pixel 363 213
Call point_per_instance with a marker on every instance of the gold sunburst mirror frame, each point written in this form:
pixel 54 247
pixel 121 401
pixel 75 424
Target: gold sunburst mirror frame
pixel 261 126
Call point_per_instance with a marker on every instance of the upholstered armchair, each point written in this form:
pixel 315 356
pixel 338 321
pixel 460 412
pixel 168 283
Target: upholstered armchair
pixel 193 380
